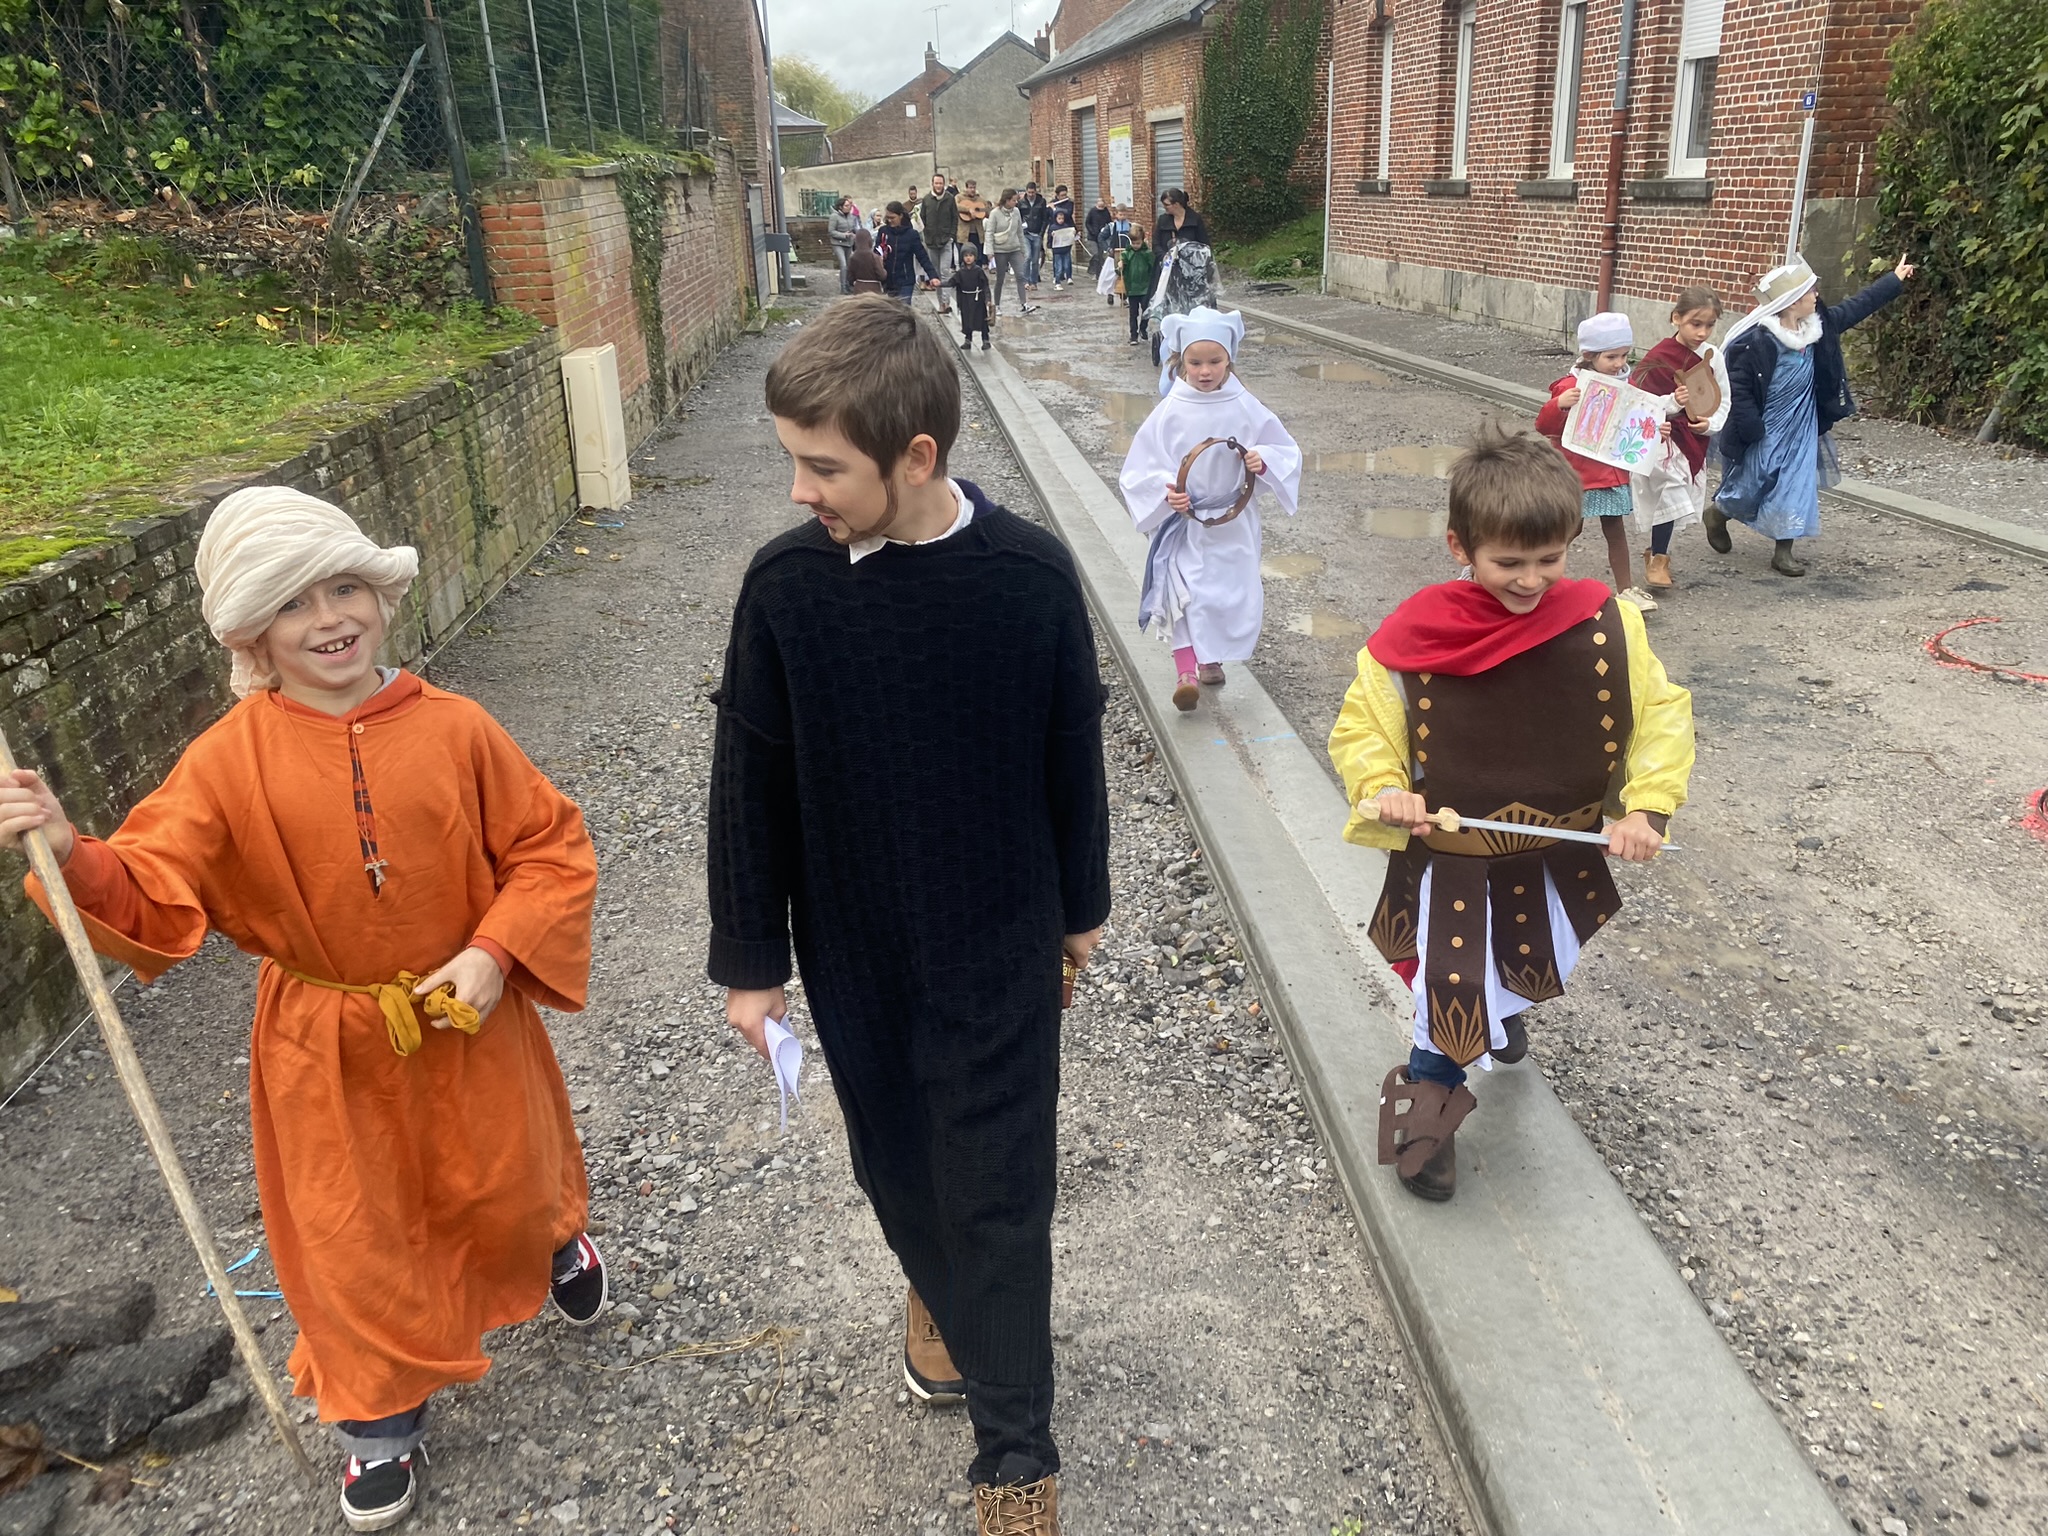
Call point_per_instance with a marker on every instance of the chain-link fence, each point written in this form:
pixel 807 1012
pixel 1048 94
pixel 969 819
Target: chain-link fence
pixel 283 101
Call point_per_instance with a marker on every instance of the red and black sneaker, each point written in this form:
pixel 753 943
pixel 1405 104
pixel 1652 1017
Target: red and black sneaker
pixel 578 1284
pixel 378 1494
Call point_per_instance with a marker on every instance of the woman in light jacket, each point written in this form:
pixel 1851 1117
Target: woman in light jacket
pixel 845 221
pixel 1006 248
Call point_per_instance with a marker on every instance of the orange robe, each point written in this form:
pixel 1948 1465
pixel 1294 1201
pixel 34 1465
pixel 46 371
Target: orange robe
pixel 412 1202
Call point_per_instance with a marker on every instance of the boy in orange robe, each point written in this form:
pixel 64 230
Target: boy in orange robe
pixel 389 852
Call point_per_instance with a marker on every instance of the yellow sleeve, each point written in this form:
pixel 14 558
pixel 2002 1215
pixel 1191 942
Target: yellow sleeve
pixel 1660 747
pixel 1369 746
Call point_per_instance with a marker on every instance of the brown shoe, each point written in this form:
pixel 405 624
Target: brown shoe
pixel 1186 695
pixel 928 1368
pixel 1030 1510
pixel 1418 1123
pixel 1657 571
pixel 1210 673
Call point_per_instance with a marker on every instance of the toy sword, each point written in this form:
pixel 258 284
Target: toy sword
pixel 1451 821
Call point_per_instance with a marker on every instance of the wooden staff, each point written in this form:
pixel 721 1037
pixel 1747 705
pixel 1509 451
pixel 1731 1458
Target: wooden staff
pixel 128 1067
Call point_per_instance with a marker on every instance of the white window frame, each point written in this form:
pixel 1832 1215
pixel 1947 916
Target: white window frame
pixel 1565 90
pixel 1461 101
pixel 1386 98
pixel 1699 46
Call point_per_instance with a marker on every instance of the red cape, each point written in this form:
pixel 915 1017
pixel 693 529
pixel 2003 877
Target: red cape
pixel 1459 628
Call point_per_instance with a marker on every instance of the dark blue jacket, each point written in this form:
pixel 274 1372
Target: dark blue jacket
pixel 1754 358
pixel 906 255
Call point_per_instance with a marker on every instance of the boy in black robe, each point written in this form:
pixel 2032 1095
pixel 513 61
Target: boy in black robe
pixel 970 282
pixel 908 782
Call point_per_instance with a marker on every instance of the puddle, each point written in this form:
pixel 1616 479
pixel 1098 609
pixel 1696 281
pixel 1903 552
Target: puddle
pixel 1423 459
pixel 1326 624
pixel 1405 522
pixel 1063 372
pixel 1343 373
pixel 1285 567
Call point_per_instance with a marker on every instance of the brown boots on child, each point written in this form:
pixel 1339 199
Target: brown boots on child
pixel 1418 1128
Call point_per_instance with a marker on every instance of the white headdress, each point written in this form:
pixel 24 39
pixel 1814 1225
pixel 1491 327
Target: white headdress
pixel 1177 333
pixel 1606 331
pixel 1776 291
pixel 263 546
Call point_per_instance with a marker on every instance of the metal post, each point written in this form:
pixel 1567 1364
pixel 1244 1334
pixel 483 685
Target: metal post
pixel 611 61
pixel 1617 148
pixel 639 69
pixel 458 156
pixel 583 68
pixel 1329 129
pixel 1799 187
pixel 540 84
pixel 775 221
pixel 483 12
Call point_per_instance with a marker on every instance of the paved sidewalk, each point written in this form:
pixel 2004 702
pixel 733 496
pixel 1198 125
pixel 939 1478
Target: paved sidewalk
pixel 1997 481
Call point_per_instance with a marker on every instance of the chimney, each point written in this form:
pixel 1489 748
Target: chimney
pixel 1042 43
pixel 931 58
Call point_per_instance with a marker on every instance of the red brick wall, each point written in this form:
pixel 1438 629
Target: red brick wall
pixel 725 37
pixel 1769 56
pixel 1075 19
pixel 884 129
pixel 560 251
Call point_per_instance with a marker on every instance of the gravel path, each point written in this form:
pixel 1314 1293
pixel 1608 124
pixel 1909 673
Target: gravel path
pixel 1225 1362
pixel 1814 1048
pixel 1996 481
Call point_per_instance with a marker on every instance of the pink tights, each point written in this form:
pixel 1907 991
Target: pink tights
pixel 1184 659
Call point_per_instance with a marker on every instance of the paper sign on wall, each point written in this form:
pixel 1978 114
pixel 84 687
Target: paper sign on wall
pixel 1120 166
pixel 1614 423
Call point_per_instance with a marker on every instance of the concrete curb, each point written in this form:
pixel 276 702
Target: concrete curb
pixel 1860 494
pixel 1579 1386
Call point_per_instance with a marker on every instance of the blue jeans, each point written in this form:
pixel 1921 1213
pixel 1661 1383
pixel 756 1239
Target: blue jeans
pixel 1433 1067
pixel 1033 245
pixel 1063 264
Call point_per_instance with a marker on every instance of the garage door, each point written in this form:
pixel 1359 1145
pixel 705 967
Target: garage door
pixel 1169 157
pixel 1090 169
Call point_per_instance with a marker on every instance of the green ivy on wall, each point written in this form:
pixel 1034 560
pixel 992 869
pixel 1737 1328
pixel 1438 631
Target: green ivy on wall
pixel 1257 98
pixel 1964 162
pixel 643 183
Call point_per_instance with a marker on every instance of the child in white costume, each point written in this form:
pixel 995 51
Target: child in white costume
pixel 1202 590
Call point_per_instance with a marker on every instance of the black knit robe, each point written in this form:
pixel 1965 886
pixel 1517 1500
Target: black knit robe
pixel 908 779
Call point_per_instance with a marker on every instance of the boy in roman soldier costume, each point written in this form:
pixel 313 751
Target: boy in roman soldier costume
pixel 1519 696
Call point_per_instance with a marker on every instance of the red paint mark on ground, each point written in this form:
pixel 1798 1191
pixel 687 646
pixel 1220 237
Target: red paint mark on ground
pixel 1944 657
pixel 2036 818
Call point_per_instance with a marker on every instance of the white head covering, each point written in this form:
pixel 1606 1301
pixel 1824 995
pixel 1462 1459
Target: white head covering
pixel 1179 332
pixel 1606 331
pixel 263 546
pixel 1776 291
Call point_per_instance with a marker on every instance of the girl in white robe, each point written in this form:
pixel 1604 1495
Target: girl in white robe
pixel 1202 591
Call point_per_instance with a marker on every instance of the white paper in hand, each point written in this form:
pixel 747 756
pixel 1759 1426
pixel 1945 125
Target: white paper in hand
pixel 786 1056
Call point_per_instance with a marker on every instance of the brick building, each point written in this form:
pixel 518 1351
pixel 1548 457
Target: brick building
pixel 900 123
pixel 720 50
pixel 1115 109
pixel 1471 139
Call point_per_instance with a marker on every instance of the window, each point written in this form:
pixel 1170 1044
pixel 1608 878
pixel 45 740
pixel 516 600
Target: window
pixel 910 109
pixel 1386 98
pixel 1699 60
pixel 1461 105
pixel 1564 110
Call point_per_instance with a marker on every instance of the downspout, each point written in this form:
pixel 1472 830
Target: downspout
pixel 1329 140
pixel 777 247
pixel 1617 148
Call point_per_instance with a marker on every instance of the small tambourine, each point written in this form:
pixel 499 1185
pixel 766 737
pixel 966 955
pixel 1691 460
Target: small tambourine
pixel 1244 495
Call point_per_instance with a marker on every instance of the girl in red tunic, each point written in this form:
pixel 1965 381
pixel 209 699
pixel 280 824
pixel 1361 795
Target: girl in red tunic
pixel 1664 503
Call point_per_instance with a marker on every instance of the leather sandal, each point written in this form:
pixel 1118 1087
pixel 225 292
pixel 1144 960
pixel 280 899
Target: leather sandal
pixel 1418 1122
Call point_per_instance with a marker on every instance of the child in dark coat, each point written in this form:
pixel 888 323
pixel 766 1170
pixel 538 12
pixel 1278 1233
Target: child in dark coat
pixel 970 282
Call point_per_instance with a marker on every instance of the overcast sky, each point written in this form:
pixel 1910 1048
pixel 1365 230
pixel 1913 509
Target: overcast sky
pixel 876 45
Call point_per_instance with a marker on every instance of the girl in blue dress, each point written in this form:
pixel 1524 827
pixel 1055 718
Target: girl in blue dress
pixel 1788 387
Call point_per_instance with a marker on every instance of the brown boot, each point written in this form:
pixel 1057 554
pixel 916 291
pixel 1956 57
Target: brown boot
pixel 928 1368
pixel 1417 1124
pixel 1657 571
pixel 1032 1509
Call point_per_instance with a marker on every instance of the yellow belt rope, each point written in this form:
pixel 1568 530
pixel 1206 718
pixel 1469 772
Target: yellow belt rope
pixel 396 1000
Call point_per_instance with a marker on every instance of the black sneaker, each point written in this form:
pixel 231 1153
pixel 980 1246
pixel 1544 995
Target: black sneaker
pixel 984 344
pixel 378 1494
pixel 579 1286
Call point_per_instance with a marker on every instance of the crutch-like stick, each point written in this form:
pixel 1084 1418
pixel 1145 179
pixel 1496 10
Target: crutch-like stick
pixel 128 1067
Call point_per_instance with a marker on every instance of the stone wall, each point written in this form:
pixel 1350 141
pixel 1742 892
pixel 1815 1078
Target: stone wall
pixel 871 184
pixel 561 250
pixel 107 671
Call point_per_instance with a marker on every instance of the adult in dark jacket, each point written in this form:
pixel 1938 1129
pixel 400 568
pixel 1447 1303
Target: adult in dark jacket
pixel 1037 214
pixel 938 212
pixel 1176 222
pixel 1098 219
pixel 1788 386
pixel 906 253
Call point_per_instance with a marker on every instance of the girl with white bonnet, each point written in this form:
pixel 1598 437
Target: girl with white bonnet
pixel 1787 388
pixel 1202 592
pixel 414 888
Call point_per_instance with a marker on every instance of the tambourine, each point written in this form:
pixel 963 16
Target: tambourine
pixel 1244 496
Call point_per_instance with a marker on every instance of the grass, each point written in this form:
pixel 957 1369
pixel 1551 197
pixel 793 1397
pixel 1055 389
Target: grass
pixel 1275 255
pixel 124 368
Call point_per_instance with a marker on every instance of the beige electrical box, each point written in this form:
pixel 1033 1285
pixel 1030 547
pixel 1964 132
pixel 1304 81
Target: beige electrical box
pixel 597 426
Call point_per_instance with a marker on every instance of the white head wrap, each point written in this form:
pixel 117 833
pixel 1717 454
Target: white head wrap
pixel 1606 331
pixel 1177 333
pixel 263 546
pixel 1776 291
